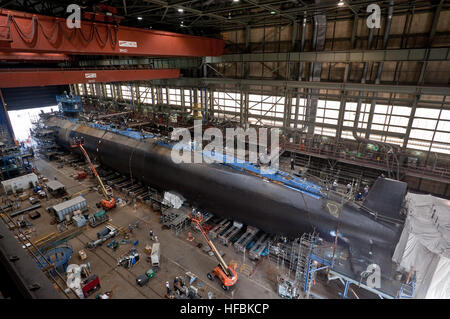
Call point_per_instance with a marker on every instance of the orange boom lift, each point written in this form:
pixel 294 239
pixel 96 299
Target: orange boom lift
pixel 107 202
pixel 226 274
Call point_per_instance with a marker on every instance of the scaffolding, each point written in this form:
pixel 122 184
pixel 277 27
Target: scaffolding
pixel 407 290
pixel 175 219
pixel 297 263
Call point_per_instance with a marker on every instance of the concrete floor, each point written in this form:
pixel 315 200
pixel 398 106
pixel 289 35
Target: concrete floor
pixel 178 255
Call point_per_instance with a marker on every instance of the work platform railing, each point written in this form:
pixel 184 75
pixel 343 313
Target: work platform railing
pixel 425 171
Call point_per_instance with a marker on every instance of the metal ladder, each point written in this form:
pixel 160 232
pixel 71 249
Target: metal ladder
pixel 304 267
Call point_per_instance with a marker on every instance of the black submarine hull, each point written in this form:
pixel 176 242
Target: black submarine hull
pixel 230 193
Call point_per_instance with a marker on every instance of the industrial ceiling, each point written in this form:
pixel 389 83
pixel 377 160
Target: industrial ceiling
pixel 212 16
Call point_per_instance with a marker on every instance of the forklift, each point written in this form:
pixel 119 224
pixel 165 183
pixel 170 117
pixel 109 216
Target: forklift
pixel 226 274
pixel 107 202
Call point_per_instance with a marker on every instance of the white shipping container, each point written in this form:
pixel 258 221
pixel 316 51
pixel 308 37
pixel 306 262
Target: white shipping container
pixel 155 254
pixel 68 207
pixel 21 182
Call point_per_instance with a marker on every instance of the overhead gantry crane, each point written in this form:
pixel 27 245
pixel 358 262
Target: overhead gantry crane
pixel 107 202
pixel 226 274
pixel 27 37
pixel 109 40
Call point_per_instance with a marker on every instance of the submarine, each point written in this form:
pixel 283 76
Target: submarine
pixel 368 233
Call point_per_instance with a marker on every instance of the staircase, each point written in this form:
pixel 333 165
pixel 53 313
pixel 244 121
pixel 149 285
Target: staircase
pixel 304 267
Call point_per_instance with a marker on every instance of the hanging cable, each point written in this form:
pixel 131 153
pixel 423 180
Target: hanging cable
pixel 57 30
pixel 23 36
pixel 91 34
pixel 72 36
pixel 308 214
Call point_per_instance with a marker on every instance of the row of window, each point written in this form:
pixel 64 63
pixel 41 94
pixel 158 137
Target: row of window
pixel 146 94
pixel 430 127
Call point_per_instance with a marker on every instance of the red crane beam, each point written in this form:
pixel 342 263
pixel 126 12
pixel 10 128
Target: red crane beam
pixel 25 78
pixel 37 33
pixel 29 56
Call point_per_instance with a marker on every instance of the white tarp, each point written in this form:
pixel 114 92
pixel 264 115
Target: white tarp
pixel 440 285
pixel 175 200
pixel 424 245
pixel 74 278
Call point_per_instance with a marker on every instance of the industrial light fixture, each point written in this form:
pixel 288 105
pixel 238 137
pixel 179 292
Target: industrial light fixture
pixel 180 10
pixel 273 12
pixel 341 3
pixel 139 18
pixel 235 0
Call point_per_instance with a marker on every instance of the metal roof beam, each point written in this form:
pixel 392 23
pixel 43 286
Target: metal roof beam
pixel 348 4
pixel 39 77
pixel 270 9
pixel 407 89
pixel 357 56
pixel 198 12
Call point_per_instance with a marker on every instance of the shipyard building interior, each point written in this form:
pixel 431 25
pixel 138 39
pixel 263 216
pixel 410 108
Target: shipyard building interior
pixel 237 149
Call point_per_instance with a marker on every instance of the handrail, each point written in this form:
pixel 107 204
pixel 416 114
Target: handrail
pixel 426 170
